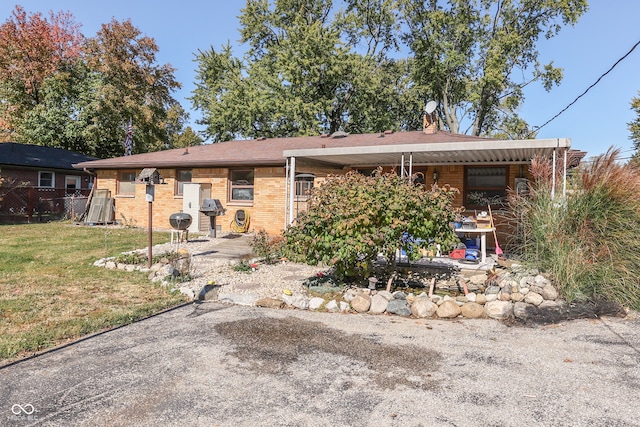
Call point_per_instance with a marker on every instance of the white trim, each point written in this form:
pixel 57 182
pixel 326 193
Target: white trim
pixel 53 179
pixel 439 147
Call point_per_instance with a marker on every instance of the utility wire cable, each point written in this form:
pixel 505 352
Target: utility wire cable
pixel 586 90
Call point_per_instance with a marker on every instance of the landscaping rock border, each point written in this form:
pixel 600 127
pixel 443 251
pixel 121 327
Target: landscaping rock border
pixel 500 294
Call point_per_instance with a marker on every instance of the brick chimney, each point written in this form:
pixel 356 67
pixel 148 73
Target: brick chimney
pixel 429 123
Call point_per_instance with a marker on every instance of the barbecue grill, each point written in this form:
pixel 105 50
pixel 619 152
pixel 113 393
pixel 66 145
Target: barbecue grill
pixel 212 208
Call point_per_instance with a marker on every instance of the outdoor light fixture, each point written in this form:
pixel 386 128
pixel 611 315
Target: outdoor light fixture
pixel 435 175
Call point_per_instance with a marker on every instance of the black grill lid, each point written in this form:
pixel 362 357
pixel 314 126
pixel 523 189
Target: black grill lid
pixel 212 206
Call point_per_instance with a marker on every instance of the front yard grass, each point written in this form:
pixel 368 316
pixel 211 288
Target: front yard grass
pixel 50 293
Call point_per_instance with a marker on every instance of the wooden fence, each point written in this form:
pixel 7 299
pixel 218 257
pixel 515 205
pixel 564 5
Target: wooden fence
pixel 32 204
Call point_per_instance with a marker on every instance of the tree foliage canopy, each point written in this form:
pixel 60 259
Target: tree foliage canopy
pixel 60 89
pixel 476 57
pixel 312 67
pixel 309 69
pixel 634 126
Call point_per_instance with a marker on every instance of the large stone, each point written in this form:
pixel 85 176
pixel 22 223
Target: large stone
pixel 399 307
pixel 499 310
pixel 527 281
pixel 349 295
pixel 536 288
pixel 387 295
pixel 533 298
pixel 492 290
pixel 481 299
pixel 423 307
pixel 270 303
pixel 507 287
pixel 542 281
pixel 522 310
pixel 399 295
pixel 110 265
pixel 517 296
pixel 315 303
pixel 471 297
pixel 188 292
pixel 378 304
pixel 361 303
pixel 549 305
pixel 504 296
pixel 344 306
pixel 332 305
pixel 478 279
pixel 209 292
pixel 448 310
pixel 472 310
pixel 300 301
pixel 491 297
pixel 549 292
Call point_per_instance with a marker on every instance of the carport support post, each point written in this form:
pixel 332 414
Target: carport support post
pixel 292 187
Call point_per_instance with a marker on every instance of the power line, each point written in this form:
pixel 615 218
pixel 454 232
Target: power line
pixel 586 90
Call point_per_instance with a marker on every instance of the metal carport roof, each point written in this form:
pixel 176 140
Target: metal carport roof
pixel 479 152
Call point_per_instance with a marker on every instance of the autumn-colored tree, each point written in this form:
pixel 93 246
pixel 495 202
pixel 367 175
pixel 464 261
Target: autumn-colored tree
pixel 130 84
pixel 32 48
pixel 61 90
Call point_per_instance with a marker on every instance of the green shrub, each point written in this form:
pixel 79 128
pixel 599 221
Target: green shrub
pixel 352 218
pixel 589 242
pixel 266 247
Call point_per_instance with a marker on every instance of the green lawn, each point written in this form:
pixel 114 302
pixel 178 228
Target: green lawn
pixel 50 292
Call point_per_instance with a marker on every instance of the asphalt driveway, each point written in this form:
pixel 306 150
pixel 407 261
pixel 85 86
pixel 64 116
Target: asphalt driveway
pixel 212 364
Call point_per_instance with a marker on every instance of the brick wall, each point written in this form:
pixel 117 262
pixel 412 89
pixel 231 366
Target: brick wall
pixel 268 208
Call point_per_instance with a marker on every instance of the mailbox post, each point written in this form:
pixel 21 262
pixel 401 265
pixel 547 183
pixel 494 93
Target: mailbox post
pixel 150 177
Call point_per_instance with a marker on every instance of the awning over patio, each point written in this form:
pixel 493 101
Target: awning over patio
pixel 441 153
pixel 428 154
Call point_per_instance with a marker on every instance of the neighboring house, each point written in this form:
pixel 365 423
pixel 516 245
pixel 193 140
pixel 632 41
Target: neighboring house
pixel 38 179
pixel 270 178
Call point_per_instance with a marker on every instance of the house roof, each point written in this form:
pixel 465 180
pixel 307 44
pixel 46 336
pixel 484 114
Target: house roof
pixel 338 149
pixel 37 156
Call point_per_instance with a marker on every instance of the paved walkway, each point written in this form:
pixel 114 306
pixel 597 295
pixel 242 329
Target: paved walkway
pixel 212 364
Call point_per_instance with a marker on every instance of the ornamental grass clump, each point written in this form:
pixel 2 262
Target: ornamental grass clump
pixel 590 241
pixel 351 219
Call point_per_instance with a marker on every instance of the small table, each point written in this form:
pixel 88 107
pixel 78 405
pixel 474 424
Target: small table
pixel 483 238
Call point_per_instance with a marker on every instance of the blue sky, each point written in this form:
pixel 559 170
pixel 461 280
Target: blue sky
pixel 603 35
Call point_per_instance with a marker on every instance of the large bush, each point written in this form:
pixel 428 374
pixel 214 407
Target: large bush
pixel 352 218
pixel 590 241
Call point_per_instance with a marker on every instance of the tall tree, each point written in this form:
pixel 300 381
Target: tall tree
pixel 130 85
pixel 475 57
pixel 309 69
pixel 32 48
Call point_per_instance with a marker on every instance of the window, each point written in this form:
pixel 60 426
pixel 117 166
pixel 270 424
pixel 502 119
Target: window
pixel 485 186
pixel 182 176
pixel 126 183
pixel 46 179
pixel 304 184
pixel 72 182
pixel 241 185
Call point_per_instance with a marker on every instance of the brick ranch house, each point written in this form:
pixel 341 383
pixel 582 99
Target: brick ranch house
pixel 269 178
